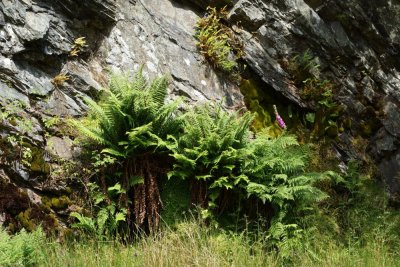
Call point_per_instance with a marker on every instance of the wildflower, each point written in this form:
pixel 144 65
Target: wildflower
pixel 280 121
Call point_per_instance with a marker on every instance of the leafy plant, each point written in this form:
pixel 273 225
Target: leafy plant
pixel 275 168
pixel 131 123
pixel 78 46
pixel 52 121
pixel 22 249
pixel 107 216
pixel 59 80
pixel 216 154
pixel 319 94
pixel 210 152
pixel 303 67
pixel 217 42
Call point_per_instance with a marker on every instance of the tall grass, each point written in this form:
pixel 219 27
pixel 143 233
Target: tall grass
pixel 190 244
pixel 367 235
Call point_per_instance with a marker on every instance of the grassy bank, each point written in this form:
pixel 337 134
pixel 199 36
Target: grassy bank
pixel 192 245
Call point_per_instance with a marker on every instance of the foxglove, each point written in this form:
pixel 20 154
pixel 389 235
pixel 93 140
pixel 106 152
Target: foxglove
pixel 280 121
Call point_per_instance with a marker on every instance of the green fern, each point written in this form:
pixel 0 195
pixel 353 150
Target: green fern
pixel 131 123
pixel 276 169
pixel 131 117
pixel 107 215
pixel 22 249
pixel 211 151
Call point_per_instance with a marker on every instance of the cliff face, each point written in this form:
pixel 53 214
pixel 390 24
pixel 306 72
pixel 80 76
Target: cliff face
pixel 357 46
pixel 356 43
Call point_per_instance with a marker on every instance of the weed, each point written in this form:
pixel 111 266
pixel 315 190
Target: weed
pixel 58 81
pixel 78 46
pixel 217 42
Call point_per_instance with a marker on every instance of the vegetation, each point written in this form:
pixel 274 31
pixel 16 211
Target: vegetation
pixel 217 42
pixel 59 80
pixel 211 152
pixel 128 128
pixel 319 94
pixel 225 166
pixel 254 198
pixel 78 46
pixel 192 243
pixel 169 185
pixel 22 249
pixel 137 138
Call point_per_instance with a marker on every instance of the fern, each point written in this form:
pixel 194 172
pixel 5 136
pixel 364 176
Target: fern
pixel 131 116
pixel 211 150
pixel 107 216
pixel 215 151
pixel 132 123
pixel 22 249
pixel 276 170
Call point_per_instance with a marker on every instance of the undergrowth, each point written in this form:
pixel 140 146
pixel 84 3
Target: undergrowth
pixel 318 93
pixel 256 199
pixel 191 243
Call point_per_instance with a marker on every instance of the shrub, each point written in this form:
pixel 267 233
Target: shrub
pixel 318 93
pixel 276 170
pixel 210 147
pixel 303 67
pixel 108 213
pixel 22 249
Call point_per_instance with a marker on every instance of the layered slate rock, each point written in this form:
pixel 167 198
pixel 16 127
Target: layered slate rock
pixel 357 46
pixel 35 41
pixel 36 38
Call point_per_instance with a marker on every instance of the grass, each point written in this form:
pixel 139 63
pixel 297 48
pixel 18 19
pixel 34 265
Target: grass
pixel 191 244
pixel 358 231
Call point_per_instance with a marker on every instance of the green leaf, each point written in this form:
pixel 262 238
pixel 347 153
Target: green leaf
pixel 116 187
pixel 310 117
pixel 114 152
pixel 135 180
pixel 120 216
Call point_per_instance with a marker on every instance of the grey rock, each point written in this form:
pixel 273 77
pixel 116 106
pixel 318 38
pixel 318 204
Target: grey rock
pixel 392 120
pixel 14 11
pixel 9 93
pixel 2 21
pixel 356 46
pixel 33 197
pixel 60 104
pixel 249 13
pixel 21 171
pixel 340 34
pixel 159 34
pixel 390 169
pixel 367 88
pixel 387 143
pixel 36 26
pixel 60 147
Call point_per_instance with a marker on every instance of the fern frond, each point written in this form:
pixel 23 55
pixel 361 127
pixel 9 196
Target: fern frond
pixel 158 91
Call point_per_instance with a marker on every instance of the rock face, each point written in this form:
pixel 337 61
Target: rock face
pixel 356 43
pixel 36 38
pixel 357 46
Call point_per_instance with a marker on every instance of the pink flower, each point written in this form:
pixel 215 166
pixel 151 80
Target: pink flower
pixel 280 121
